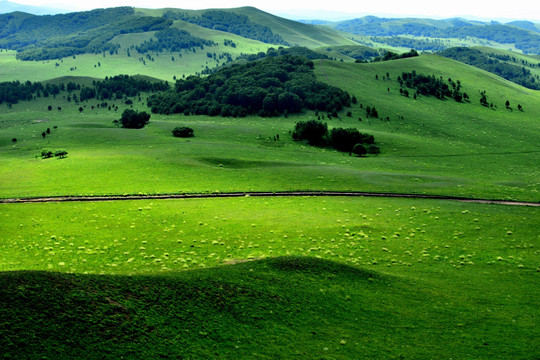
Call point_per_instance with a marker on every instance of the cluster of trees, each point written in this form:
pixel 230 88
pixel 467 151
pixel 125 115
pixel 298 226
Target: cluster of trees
pixel 183 132
pixel 48 153
pixel 120 86
pixel 347 140
pixel 230 22
pixel 358 52
pixel 173 40
pixel 431 85
pixel 389 55
pixel 406 42
pixel 268 87
pixel 115 87
pixel 12 92
pixel 132 119
pixel 492 63
pixel 63 35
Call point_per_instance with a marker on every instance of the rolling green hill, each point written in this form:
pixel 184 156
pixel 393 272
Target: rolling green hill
pixel 464 150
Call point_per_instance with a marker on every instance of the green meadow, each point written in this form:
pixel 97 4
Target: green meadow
pixel 274 277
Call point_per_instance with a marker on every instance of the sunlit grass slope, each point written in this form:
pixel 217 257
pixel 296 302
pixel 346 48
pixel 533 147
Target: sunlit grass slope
pixel 427 145
pixel 370 278
pixel 434 135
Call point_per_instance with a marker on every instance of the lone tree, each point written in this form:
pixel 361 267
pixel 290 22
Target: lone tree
pixel 46 153
pixel 183 132
pixel 132 119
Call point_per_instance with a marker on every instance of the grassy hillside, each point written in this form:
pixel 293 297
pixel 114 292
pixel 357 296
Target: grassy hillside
pixel 162 66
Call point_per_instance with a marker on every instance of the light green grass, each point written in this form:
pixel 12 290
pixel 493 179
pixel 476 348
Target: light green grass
pixel 426 278
pixel 136 237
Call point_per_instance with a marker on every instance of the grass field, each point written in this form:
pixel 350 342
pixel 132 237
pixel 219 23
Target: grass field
pixel 306 277
pixel 359 277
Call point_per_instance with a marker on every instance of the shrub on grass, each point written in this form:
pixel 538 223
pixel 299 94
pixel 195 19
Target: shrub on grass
pixel 373 149
pixel 60 153
pixel 359 150
pixel 183 132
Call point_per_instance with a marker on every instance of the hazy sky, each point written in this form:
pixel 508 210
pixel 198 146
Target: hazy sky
pixel 516 9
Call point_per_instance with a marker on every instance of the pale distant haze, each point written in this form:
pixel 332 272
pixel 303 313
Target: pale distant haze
pixel 335 9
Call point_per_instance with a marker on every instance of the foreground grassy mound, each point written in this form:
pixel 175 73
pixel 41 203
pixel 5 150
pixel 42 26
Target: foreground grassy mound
pixel 278 308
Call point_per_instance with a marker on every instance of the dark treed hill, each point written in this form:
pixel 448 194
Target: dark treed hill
pixel 267 87
pixel 526 40
pixel 407 42
pixel 57 36
pixel 172 39
pixel 357 52
pixel 496 64
pixel 295 51
pixel 229 22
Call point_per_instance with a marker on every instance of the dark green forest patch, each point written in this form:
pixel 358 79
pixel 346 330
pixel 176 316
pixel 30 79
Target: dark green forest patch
pixel 269 87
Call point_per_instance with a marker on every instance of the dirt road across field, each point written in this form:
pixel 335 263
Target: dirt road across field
pixel 262 194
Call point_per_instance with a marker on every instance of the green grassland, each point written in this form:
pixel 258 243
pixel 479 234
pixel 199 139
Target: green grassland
pixel 376 278
pixel 465 150
pixel 276 277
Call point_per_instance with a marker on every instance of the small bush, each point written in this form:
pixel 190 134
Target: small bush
pixel 183 132
pixel 359 150
pixel 373 149
pixel 60 153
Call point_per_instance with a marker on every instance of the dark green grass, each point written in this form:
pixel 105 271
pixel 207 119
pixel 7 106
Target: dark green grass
pixel 278 308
